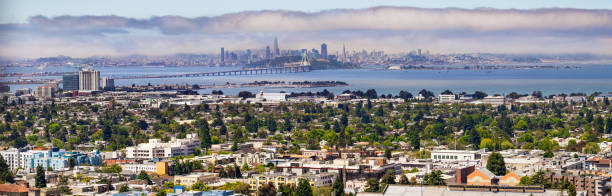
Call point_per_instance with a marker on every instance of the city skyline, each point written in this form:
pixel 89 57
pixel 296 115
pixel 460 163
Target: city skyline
pixel 394 29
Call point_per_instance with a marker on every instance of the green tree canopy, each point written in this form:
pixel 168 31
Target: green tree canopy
pixel 303 188
pixel 40 179
pixel 496 164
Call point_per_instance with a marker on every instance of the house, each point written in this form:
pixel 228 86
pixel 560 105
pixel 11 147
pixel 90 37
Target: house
pixel 14 190
pixel 480 176
pixel 510 179
pixel 597 163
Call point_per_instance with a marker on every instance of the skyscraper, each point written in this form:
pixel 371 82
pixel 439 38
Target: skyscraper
pixel 108 84
pixel 324 51
pixel 70 81
pixel 248 54
pixel 89 80
pixel 268 55
pixel 276 50
pixel 222 54
pixel 343 53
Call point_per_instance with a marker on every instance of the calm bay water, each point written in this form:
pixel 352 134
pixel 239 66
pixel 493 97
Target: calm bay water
pixel 587 78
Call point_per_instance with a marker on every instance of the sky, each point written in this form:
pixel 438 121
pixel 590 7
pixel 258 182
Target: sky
pixel 82 28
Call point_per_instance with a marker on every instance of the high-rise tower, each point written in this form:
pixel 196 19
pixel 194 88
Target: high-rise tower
pixel 343 53
pixel 276 50
pixel 222 54
pixel 324 51
pixel 70 81
pixel 89 80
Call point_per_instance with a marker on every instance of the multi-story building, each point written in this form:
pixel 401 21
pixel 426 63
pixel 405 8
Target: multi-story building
pixel 324 51
pixel 70 81
pixel 449 98
pixel 47 158
pixel 45 91
pixel 455 155
pixel 593 185
pixel 138 167
pixel 163 150
pixel 276 50
pixel 107 83
pixel 318 179
pixel 89 80
pixel 189 180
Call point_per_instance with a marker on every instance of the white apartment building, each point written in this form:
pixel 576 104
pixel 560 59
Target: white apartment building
pixel 89 80
pixel 158 149
pixel 446 98
pixel 137 167
pixel 19 158
pixel 455 155
pixel 315 179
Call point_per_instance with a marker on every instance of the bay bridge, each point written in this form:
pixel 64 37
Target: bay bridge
pixel 303 66
pixel 245 71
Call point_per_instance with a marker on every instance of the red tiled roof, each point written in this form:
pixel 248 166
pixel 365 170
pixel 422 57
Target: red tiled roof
pixel 12 188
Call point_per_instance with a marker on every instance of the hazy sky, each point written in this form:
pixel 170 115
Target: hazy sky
pixel 80 28
pixel 20 10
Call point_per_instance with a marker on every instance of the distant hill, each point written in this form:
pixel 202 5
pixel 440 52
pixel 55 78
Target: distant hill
pixel 316 64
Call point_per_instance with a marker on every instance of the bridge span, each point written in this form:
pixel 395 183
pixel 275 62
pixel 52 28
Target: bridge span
pixel 245 71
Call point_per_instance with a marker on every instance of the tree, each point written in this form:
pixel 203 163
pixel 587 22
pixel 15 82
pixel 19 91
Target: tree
pixel 5 174
pixel 434 178
pixel 114 168
pixel 571 190
pixel 447 92
pixel 286 189
pixel 71 162
pixel 234 147
pixel 64 190
pixel 204 133
pixel 496 164
pixel 591 148
pixel 245 94
pixel 267 190
pixel 487 143
pixel 388 177
pixel 474 137
pixel 373 185
pixel 525 180
pixel 40 179
pixel 222 173
pixel 124 188
pixel 548 154
pixel 387 153
pixel 404 180
pixel 479 95
pixel 237 172
pixel 144 176
pixel 143 125
pixel 538 179
pixel 303 188
pixel 427 94
pixel 199 186
pixel 338 187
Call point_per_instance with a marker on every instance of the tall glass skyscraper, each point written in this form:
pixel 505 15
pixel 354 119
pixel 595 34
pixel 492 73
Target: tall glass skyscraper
pixel 324 51
pixel 70 81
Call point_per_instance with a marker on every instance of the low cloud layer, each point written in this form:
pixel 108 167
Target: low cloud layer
pixel 394 29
